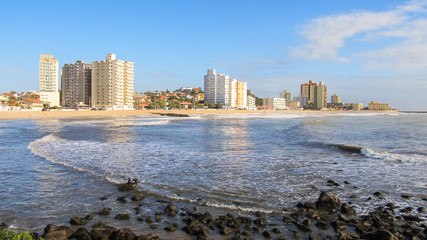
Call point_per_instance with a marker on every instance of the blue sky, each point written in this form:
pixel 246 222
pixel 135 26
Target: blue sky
pixel 362 50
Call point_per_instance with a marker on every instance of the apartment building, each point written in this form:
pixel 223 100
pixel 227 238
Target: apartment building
pixel 112 84
pixel 76 84
pixel 48 80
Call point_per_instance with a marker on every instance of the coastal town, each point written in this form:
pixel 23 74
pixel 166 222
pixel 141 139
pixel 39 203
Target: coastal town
pixel 109 85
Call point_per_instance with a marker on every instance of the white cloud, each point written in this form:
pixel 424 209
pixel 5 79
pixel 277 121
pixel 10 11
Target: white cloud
pixel 404 24
pixel 327 35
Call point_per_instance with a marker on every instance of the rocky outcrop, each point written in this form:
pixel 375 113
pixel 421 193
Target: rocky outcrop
pixel 328 202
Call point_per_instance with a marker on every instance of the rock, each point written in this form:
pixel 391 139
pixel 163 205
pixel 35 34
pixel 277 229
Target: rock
pixel 122 199
pixel 298 214
pixel 153 226
pixel 377 194
pixel 407 209
pixel 412 218
pixel 105 211
pixel 421 209
pixel 34 235
pixel 149 220
pixel 339 226
pixel 281 238
pixel 322 225
pixel 170 228
pixel 158 218
pixel 56 235
pixel 260 222
pixel 125 187
pixel 103 198
pixel 49 228
pixel 267 234
pixel 333 183
pixel 151 236
pixel 309 205
pixel 346 209
pixel 406 196
pixel 89 217
pixel 123 234
pixel 205 218
pixel 303 227
pixel 348 236
pixel 78 221
pixel 276 230
pixel 287 219
pixel 225 231
pixel 353 196
pixel 102 233
pixel 99 224
pixel 81 234
pixel 312 237
pixel 138 197
pixel 306 222
pixel 384 235
pixel 122 216
pixel 328 202
pixel 170 208
pixel 346 182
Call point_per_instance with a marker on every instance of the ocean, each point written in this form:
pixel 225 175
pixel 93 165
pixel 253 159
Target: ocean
pixel 51 170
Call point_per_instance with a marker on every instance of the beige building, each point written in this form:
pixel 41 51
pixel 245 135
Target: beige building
pixel 241 94
pixel 335 99
pixel 294 105
pixel 378 106
pixel 354 106
pixel 48 80
pixel 321 96
pixel 274 103
pixel 112 84
pixel 308 91
pixel 76 84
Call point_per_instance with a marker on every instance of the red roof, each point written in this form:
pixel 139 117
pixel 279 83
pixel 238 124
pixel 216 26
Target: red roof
pixel 33 100
pixel 185 103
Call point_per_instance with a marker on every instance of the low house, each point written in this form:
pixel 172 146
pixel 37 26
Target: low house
pixel 32 103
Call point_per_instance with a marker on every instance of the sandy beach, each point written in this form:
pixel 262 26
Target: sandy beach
pixel 9 115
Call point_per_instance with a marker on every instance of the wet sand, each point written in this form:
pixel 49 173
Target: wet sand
pixel 9 115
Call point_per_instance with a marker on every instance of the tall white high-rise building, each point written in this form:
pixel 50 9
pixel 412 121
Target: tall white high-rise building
pixel 112 84
pixel 219 88
pixel 48 80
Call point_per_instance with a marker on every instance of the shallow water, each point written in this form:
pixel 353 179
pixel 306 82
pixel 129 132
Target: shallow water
pixel 51 170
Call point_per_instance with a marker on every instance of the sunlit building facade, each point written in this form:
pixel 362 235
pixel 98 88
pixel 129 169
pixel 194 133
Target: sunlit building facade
pixel 48 80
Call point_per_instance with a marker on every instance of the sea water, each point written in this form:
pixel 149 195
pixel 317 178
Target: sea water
pixel 51 170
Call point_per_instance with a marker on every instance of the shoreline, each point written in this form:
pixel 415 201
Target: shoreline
pixel 11 115
pixel 326 218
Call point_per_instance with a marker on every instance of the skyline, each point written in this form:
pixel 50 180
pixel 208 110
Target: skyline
pixel 362 50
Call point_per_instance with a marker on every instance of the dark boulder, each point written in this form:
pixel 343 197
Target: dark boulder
pixel 261 222
pixel 138 197
pixel 81 234
pixel 170 208
pixel 56 235
pixel 346 209
pixel 225 231
pixel 267 234
pixel 384 235
pixel 151 236
pixel 339 226
pixel 348 236
pixel 122 216
pixel 122 199
pixel 123 234
pixel 125 187
pixel 105 211
pixel 78 221
pixel 312 237
pixel 328 202
pixel 102 233
pixel 50 228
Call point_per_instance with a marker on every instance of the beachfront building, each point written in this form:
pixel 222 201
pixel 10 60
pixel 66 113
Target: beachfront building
pixel 112 84
pixel 274 103
pixel 31 103
pixel 48 80
pixel 76 84
pixel 308 91
pixel 335 99
pixel 354 106
pixel 251 103
pixel 302 100
pixel 219 88
pixel 321 96
pixel 294 105
pixel 286 95
pixel 378 106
